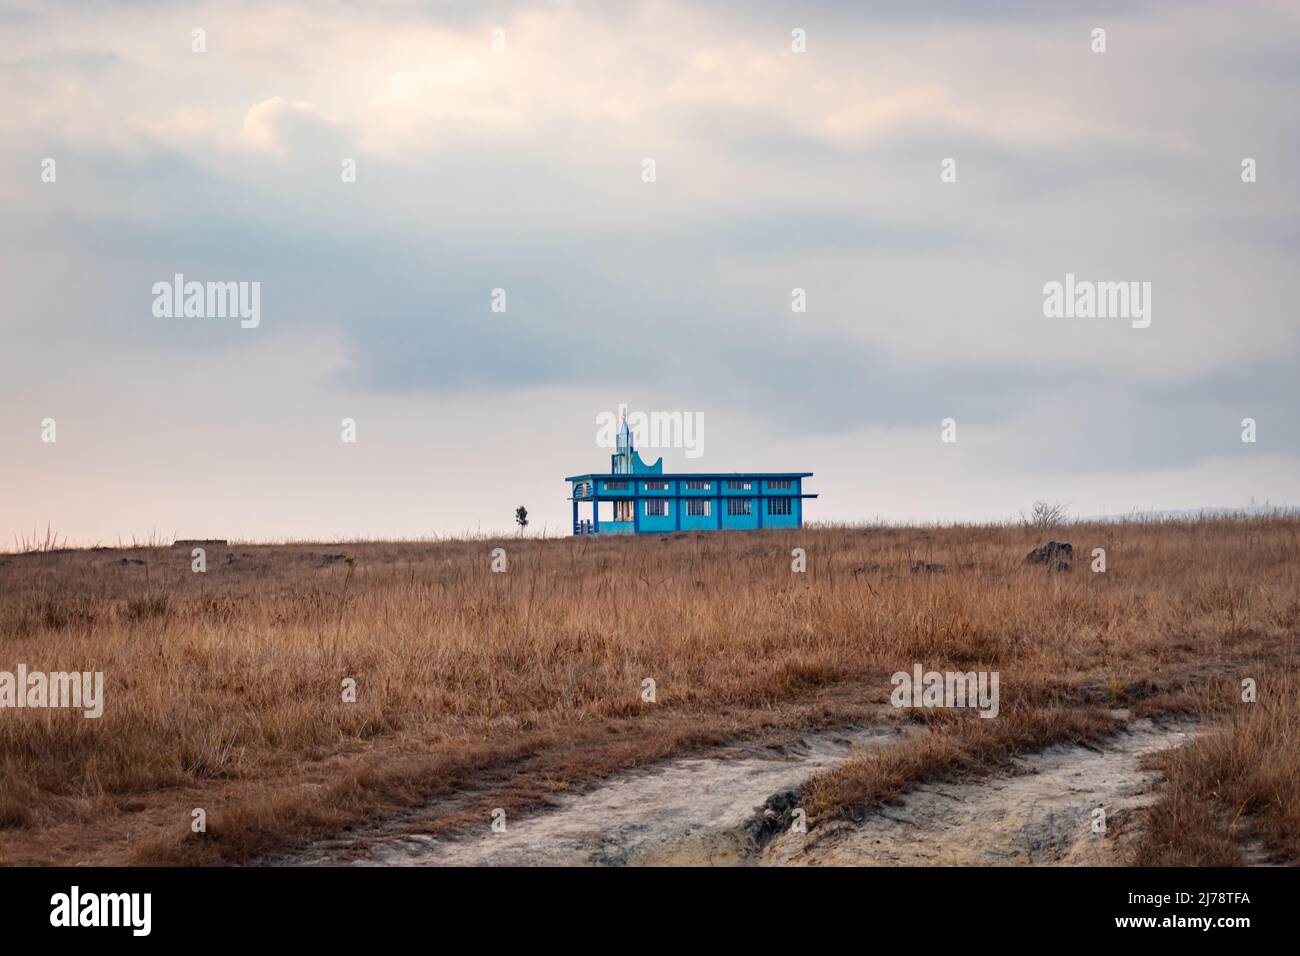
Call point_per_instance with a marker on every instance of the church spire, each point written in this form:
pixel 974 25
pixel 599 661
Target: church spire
pixel 623 450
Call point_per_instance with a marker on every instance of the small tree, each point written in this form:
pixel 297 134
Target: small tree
pixel 521 518
pixel 1045 516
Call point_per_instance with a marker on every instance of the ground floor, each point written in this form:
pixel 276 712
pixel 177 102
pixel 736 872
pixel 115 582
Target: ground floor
pixel 660 513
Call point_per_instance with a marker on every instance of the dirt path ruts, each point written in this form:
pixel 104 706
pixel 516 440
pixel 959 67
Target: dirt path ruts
pixel 702 811
pixel 698 806
pixel 1044 813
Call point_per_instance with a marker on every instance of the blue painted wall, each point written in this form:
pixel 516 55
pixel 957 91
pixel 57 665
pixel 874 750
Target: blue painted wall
pixel 764 487
pixel 657 524
pixel 732 522
pixel 676 498
pixel 781 521
pixel 707 522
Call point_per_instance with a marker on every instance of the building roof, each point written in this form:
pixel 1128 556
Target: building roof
pixel 626 465
pixel 691 475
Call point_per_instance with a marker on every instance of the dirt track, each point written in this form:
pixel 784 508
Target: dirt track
pixel 1043 814
pixel 709 810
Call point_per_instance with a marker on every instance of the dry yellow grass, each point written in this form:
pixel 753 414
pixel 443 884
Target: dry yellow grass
pixel 224 687
pixel 1233 796
pixel 957 744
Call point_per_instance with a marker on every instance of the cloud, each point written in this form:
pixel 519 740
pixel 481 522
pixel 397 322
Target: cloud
pixel 521 170
pixel 279 126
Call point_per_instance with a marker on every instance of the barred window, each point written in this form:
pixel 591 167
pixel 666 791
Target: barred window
pixel 783 484
pixel 780 506
pixel 740 506
pixel 616 486
pixel 656 486
pixel 656 508
pixel 740 486
pixel 698 485
pixel 699 507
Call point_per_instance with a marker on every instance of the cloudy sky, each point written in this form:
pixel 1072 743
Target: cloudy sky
pixel 522 169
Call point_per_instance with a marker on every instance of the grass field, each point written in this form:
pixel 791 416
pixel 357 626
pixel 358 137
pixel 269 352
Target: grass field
pixel 474 689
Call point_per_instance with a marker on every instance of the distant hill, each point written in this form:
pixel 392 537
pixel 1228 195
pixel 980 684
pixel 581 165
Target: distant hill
pixel 1191 514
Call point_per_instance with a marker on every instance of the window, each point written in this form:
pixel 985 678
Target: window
pixel 698 485
pixel 780 506
pixel 740 506
pixel 656 486
pixel 656 509
pixel 582 489
pixel 781 485
pixel 740 486
pixel 699 507
pixel 624 510
pixel 616 486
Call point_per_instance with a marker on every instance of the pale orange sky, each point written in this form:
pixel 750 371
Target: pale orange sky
pixel 521 169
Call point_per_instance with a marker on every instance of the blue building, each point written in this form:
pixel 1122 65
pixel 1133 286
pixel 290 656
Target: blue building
pixel 643 500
